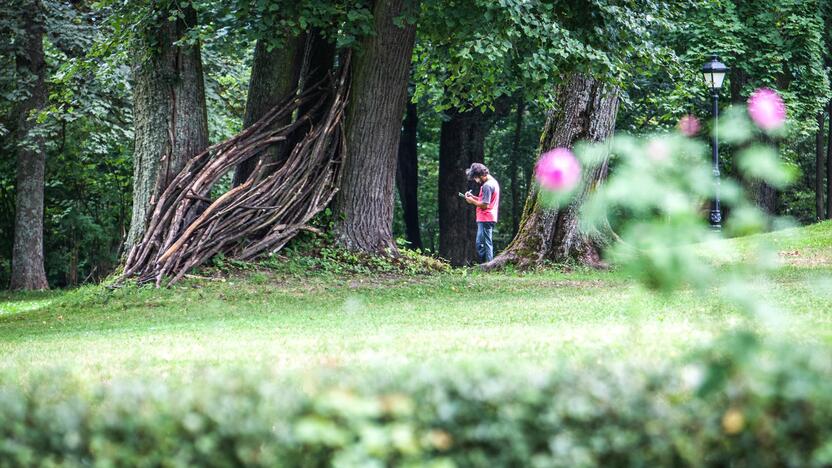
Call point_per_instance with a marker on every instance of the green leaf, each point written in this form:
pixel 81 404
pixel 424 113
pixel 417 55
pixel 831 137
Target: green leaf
pixel 763 163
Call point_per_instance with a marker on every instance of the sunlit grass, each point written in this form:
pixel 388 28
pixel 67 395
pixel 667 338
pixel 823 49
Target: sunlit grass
pixel 25 303
pixel 292 323
pixel 808 247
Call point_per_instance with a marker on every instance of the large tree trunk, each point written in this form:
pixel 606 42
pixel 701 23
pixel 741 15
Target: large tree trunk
pixel 364 205
pixel 587 111
pixel 461 143
pixel 170 118
pixel 27 254
pixel 819 159
pixel 274 74
pixel 514 166
pixel 407 176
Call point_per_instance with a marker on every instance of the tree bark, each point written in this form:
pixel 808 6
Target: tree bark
pixel 318 61
pixel 739 78
pixel 587 111
pixel 364 205
pixel 819 159
pixel 27 252
pixel 829 166
pixel 274 74
pixel 765 196
pixel 170 117
pixel 407 176
pixel 461 143
pixel 514 166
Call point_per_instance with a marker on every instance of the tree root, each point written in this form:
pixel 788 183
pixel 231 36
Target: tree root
pixel 265 212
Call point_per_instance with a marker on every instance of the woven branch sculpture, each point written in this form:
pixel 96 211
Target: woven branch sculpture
pixel 260 215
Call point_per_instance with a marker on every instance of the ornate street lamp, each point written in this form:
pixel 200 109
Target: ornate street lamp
pixel 714 72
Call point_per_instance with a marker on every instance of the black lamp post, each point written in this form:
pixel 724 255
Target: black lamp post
pixel 714 72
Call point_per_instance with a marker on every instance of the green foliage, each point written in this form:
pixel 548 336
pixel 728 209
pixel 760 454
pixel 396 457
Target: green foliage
pixel 344 22
pixel 782 48
pixel 88 123
pixel 736 403
pixel 469 54
pixel 783 45
pixel 315 254
pixel 775 44
pixel 226 85
pixel 656 197
pixel 652 200
pixel 87 126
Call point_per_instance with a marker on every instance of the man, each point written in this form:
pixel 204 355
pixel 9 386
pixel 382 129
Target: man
pixel 487 203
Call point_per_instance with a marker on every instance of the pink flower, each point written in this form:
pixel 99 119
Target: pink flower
pixel 558 170
pixel 767 109
pixel 689 125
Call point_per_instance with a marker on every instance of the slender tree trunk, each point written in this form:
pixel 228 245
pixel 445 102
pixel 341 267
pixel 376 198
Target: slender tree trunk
pixel 587 111
pixel 407 176
pixel 380 71
pixel 528 172
pixel 766 196
pixel 739 78
pixel 274 74
pixel 27 253
pixel 170 118
pixel 514 166
pixel 72 272
pixel 461 143
pixel 829 166
pixel 819 159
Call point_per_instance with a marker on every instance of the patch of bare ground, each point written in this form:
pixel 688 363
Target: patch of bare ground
pixel 805 258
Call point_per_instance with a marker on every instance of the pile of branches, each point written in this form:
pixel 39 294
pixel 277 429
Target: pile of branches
pixel 262 214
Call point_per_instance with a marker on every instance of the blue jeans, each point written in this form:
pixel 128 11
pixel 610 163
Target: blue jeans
pixel 485 247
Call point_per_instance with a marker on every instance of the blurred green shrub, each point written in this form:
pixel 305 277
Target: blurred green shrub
pixel 737 403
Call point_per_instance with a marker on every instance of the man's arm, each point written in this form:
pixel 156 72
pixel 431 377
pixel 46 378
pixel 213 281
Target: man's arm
pixel 484 201
pixel 473 201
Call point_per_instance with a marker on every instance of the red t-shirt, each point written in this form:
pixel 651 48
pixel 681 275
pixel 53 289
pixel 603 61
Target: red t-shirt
pixel 489 193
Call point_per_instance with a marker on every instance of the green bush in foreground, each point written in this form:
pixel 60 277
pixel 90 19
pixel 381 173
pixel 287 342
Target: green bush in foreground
pixel 737 404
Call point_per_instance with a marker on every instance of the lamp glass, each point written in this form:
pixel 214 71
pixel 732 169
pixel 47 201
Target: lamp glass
pixel 708 79
pixel 714 79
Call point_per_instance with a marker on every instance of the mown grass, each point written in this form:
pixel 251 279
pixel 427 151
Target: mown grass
pixel 809 246
pixel 291 322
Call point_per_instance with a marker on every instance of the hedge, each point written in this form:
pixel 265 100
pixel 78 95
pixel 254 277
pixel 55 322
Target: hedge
pixel 729 406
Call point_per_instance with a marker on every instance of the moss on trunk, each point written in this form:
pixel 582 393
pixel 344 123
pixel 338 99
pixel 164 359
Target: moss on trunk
pixel 587 111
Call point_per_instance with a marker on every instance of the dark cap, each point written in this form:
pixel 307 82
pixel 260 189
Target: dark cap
pixel 476 170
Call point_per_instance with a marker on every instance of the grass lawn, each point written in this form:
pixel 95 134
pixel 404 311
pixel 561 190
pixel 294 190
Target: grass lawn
pixel 291 323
